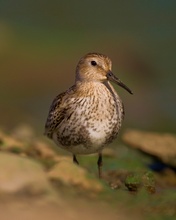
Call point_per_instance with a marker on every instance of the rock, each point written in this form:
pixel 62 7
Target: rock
pixel 69 173
pixel 7 143
pixel 115 178
pixel 162 146
pixel 22 175
pixel 44 150
pixel 59 158
pixel 23 132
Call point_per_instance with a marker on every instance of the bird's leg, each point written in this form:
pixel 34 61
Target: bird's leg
pixel 100 164
pixel 75 160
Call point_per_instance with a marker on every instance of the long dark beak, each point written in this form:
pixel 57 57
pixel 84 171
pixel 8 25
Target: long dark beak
pixel 113 78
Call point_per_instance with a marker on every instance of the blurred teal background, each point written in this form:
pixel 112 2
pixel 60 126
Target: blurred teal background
pixel 41 42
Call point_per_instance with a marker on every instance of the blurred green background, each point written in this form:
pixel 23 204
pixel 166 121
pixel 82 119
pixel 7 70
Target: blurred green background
pixel 41 42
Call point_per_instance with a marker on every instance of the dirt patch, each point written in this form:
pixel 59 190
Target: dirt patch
pixel 74 209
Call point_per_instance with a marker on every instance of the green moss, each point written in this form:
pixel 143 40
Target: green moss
pixel 16 150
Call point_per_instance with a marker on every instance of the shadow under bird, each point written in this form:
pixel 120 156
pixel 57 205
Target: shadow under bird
pixel 88 116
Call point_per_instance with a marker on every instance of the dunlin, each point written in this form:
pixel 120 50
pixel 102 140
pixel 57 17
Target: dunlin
pixel 89 114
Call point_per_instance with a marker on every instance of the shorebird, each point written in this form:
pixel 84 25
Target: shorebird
pixel 88 116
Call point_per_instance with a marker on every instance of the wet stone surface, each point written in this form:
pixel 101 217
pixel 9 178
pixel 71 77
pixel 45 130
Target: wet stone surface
pixel 160 145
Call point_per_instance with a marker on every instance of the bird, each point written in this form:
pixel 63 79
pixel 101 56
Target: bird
pixel 87 116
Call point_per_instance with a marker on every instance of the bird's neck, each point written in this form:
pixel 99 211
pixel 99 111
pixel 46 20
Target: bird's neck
pixel 92 87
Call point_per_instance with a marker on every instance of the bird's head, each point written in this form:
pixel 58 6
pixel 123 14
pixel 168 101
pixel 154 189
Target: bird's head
pixel 97 67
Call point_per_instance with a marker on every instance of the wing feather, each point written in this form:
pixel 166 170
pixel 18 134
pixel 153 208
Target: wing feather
pixel 58 111
pixel 55 116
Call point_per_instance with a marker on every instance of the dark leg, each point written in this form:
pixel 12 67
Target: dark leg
pixel 100 164
pixel 75 160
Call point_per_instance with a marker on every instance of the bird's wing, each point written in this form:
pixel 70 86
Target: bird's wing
pixel 58 111
pixel 55 116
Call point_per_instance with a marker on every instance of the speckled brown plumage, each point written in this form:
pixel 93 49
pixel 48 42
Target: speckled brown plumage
pixel 88 115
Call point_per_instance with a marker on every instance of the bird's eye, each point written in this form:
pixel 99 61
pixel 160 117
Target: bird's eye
pixel 93 63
